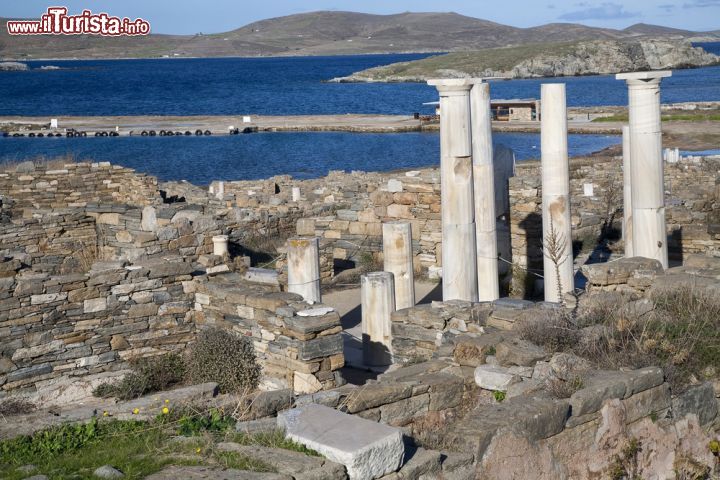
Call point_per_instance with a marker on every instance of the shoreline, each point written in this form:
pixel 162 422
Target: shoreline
pixel 697 128
pixel 134 125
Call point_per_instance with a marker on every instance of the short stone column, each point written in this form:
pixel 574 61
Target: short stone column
pixel 303 257
pixel 557 235
pixel 484 194
pixel 295 194
pixel 377 294
pixel 459 256
pixel 398 260
pixel 649 235
pixel 627 193
pixel 220 245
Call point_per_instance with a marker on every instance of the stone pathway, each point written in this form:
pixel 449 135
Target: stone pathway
pixel 347 304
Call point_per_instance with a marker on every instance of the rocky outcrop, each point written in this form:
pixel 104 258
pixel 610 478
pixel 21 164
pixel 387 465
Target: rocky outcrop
pixel 584 58
pixel 13 66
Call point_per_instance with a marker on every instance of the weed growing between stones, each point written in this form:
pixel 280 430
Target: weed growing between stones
pixel 564 388
pixel 624 467
pixel 151 374
pixel 499 395
pixel 15 406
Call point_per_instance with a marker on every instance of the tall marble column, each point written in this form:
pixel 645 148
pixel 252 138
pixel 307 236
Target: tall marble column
pixel 398 260
pixel 377 296
pixel 459 256
pixel 627 193
pixel 557 235
pixel 649 235
pixel 484 193
pixel 303 256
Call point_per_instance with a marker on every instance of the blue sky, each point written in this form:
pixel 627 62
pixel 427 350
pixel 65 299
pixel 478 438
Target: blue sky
pixel 209 16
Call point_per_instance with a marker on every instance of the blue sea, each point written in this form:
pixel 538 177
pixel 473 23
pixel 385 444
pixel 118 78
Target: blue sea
pixel 274 86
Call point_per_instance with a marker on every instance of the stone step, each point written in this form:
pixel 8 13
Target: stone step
pixel 368 450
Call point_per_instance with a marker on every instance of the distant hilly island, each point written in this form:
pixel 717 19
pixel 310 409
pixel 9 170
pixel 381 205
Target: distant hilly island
pixel 329 33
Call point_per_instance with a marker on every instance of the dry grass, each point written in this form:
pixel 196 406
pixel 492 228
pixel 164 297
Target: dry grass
pixel 564 388
pixel 41 162
pixel 15 406
pixel 678 330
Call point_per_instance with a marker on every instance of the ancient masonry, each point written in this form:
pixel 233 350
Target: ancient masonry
pixel 100 265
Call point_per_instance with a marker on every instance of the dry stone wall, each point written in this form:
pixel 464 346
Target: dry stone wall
pixel 54 326
pixel 298 345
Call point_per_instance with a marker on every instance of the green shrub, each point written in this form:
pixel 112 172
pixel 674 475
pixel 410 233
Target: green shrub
pixel 226 358
pixel 151 374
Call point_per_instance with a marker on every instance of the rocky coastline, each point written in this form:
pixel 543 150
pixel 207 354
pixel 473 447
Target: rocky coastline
pixel 556 60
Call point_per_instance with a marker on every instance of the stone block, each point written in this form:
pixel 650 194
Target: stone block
pixel 494 378
pixel 519 352
pixel 374 395
pixel 698 399
pixel 647 402
pixel 325 346
pixel 620 271
pixel 94 305
pixel 368 450
pixel 306 383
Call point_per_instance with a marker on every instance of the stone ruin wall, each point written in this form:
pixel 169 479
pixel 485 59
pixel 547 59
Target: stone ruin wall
pixel 44 277
pixel 692 203
pixel 58 328
pixel 61 321
pixel 576 437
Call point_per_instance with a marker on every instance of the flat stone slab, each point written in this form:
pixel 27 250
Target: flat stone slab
pixel 490 377
pixel 204 473
pixel 368 450
pixel 287 462
pixel 315 312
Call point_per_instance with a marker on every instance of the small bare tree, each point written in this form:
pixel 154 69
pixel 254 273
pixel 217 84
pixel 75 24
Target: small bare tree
pixel 554 245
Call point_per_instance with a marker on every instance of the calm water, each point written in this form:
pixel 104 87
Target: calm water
pixel 302 155
pixel 274 86
pixel 277 86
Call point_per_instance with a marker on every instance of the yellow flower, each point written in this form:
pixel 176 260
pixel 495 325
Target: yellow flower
pixel 105 413
pixel 197 450
pixel 136 411
pixel 165 410
pixel 167 401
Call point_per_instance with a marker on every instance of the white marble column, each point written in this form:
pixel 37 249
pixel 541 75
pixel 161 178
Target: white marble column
pixel 627 193
pixel 377 295
pixel 484 193
pixel 303 256
pixel 459 256
pixel 398 260
pixel 649 235
pixel 557 235
pixel 220 245
pixel 295 194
